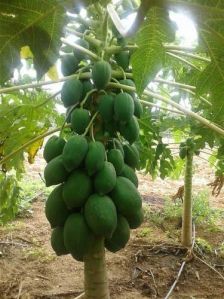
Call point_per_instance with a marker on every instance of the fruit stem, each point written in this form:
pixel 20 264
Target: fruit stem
pixel 90 123
pixel 94 41
pixel 66 118
pixel 86 97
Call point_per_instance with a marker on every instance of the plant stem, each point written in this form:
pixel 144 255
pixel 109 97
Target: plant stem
pixel 160 107
pixel 183 60
pixel 194 56
pixel 6 158
pixel 92 40
pixel 187 204
pixel 96 282
pixel 190 113
pixel 168 82
pixel 84 50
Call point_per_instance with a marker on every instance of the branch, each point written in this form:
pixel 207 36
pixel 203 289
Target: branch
pixel 174 104
pixel 6 158
pixel 160 107
pixel 181 85
pixel 183 60
pixel 92 40
pixel 194 56
pixel 84 50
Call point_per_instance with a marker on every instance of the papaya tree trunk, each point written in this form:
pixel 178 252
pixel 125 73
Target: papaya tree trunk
pixel 187 204
pixel 95 274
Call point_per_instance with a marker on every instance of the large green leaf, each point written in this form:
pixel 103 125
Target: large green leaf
pixel 36 23
pixel 149 58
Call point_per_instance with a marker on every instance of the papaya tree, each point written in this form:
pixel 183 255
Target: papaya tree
pixel 114 122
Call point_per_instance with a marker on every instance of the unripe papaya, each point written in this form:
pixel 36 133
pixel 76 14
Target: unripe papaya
pixel 55 172
pixel 122 59
pixel 130 83
pixel 120 236
pixel 57 241
pixel 77 189
pixel 53 148
pixel 78 238
pixel 95 157
pixel 71 92
pixel 101 74
pixel 55 208
pixel 74 152
pixel 136 219
pixel 130 130
pixel 123 107
pixel 138 111
pixel 101 215
pixel 115 143
pixel 126 197
pixel 117 159
pixel 69 64
pixel 80 119
pixel 105 179
pixel 79 54
pixel 131 156
pixel 130 174
pixel 106 107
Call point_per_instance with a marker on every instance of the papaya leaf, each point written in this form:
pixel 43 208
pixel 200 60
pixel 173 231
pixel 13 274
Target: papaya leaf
pixel 149 58
pixel 37 24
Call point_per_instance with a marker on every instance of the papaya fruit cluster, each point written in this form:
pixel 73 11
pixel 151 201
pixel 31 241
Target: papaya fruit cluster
pixel 94 169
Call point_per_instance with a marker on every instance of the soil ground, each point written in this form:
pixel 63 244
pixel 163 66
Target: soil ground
pixel 146 268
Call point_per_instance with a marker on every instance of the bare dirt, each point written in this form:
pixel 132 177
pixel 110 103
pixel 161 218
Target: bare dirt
pixel 146 268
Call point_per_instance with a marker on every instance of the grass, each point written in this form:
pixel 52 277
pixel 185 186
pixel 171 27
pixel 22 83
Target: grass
pixel 203 213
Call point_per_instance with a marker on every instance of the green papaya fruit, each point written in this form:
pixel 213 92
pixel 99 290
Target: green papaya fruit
pixel 120 236
pixel 101 74
pixel 53 148
pixel 69 64
pixel 122 59
pixel 126 197
pixel 79 54
pixel 138 111
pixel 56 210
pixel 95 157
pixel 80 119
pixel 117 159
pixel 131 156
pixel 101 215
pixel 135 219
pixel 130 130
pixel 105 179
pixel 57 241
pixel 74 152
pixel 123 107
pixel 71 92
pixel 106 107
pixel 130 174
pixel 130 83
pixel 55 172
pixel 77 189
pixel 78 238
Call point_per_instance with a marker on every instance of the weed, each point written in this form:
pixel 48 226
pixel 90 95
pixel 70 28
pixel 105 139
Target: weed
pixel 144 232
pixel 38 254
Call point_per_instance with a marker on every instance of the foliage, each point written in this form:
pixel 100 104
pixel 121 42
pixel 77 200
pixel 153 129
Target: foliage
pixel 35 23
pixel 156 29
pixel 203 213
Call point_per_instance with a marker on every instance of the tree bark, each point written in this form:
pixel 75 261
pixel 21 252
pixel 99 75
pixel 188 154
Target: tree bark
pixel 187 204
pixel 96 282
